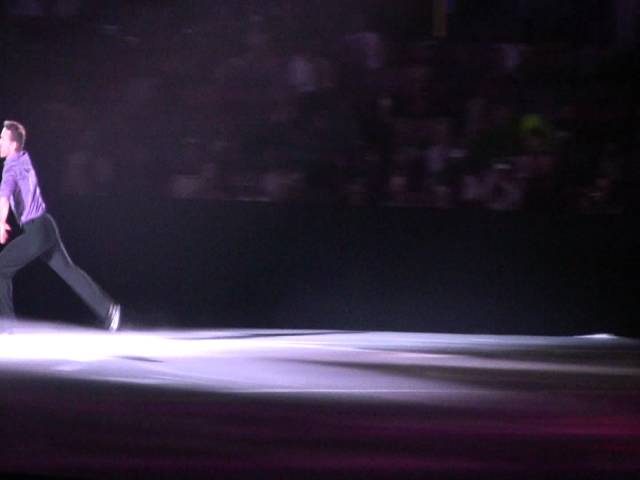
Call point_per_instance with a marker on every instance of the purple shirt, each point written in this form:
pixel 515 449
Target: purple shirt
pixel 20 186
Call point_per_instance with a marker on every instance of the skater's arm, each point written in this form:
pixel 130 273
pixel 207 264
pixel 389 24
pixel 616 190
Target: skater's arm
pixel 7 187
pixel 4 226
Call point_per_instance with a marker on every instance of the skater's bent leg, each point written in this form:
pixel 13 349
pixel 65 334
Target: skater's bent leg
pixel 17 254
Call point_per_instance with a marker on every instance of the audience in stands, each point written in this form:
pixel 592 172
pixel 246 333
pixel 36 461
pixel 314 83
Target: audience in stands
pixel 260 102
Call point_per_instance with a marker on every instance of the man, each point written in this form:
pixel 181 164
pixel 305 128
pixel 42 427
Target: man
pixel 19 190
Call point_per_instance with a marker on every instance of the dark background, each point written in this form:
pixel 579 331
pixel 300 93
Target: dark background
pixel 195 264
pixel 224 262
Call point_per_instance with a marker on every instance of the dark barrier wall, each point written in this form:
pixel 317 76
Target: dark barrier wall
pixel 199 264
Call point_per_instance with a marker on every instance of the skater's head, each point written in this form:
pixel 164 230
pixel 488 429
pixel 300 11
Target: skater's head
pixel 12 138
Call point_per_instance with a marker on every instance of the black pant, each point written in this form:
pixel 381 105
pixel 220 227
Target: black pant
pixel 41 239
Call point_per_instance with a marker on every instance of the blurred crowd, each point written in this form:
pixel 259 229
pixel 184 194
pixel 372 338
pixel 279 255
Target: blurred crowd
pixel 309 101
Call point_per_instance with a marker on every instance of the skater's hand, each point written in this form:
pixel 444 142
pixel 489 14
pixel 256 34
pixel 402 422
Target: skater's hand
pixel 5 228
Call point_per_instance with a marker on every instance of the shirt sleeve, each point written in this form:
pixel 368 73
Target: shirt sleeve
pixel 8 185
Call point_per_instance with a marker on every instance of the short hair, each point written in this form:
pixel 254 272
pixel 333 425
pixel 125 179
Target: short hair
pixel 18 133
